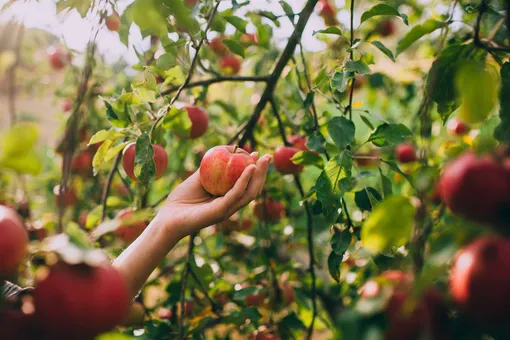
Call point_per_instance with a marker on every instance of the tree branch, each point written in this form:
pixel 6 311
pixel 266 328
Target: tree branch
pixel 284 58
pixel 108 184
pixel 184 282
pixel 353 81
pixel 220 79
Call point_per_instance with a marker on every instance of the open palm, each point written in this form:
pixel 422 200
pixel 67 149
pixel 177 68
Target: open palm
pixel 190 208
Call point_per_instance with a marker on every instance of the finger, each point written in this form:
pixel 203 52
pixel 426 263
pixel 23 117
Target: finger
pixel 255 156
pixel 225 204
pixel 257 181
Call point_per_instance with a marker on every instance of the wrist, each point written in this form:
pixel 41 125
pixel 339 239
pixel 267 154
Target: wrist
pixel 169 227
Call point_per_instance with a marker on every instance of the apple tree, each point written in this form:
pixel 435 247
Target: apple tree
pixel 385 211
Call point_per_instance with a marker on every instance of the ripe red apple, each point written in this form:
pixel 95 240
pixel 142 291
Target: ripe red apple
pixel 268 210
pixel 13 241
pixel 283 162
pixel 165 313
pixel 199 121
pixel 328 13
pixel 288 295
pixel 386 28
pixel 255 299
pixel 457 128
pixel 299 142
pixel 67 105
pixel 128 160
pixel 410 317
pixel 188 307
pixel 477 188
pixel 249 39
pixel 230 64
pixel 113 22
pixel 59 59
pixel 16 325
pixel 405 153
pixel 69 197
pixel 480 283
pixel 77 301
pixel 264 333
pixel 221 167
pixel 190 3
pixel 218 47
pixel 82 163
pixel 128 231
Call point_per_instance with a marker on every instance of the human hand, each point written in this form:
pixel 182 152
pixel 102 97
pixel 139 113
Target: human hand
pixel 190 208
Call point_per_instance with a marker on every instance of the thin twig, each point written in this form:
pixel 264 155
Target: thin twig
pixel 184 282
pixel 108 184
pixel 353 82
pixel 203 289
pixel 279 119
pixel 220 79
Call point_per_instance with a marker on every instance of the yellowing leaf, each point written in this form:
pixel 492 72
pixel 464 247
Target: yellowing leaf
pixel 389 224
pixel 357 104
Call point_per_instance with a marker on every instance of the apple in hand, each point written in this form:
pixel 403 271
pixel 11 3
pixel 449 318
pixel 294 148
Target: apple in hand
pixel 128 160
pixel 405 153
pixel 477 188
pixel 129 230
pixel 13 241
pixel 113 22
pixel 230 64
pixel 268 210
pixel 283 162
pixel 480 281
pixel 81 301
pixel 221 167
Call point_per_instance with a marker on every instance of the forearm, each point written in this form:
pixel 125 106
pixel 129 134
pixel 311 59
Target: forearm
pixel 140 259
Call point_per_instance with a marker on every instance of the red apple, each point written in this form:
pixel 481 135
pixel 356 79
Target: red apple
pixel 79 301
pixel 299 142
pixel 188 307
pixel 69 197
pixel 199 121
pixel 128 231
pixel 328 13
pixel 59 59
pixel 477 188
pixel 165 313
pixel 221 167
pixel 480 283
pixel 268 210
pixel 82 163
pixel 113 22
pixel 13 241
pixel 190 3
pixel 218 47
pixel 230 64
pixel 386 28
pixel 128 160
pixel 67 105
pixel 255 299
pixel 249 39
pixel 457 128
pixel 283 162
pixel 405 153
pixel 16 325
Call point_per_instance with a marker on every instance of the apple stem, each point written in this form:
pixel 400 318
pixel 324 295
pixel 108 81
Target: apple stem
pixel 235 148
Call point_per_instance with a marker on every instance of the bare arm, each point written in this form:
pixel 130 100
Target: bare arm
pixel 188 209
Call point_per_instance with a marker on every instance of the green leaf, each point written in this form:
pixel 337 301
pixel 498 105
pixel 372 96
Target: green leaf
pixel 328 188
pixel 477 86
pixel 330 30
pixel 384 49
pixel 393 166
pixel 386 184
pixel 417 32
pixel 357 66
pixel 308 100
pixel 383 9
pixel 184 19
pixel 166 61
pixel 334 261
pixel 17 149
pixel 116 120
pixel 113 336
pixel 150 16
pixel 308 158
pixel 237 22
pixel 234 47
pixel 367 198
pixel 316 143
pixel 103 135
pixel 113 151
pixel 441 86
pixel 340 241
pixel 81 6
pixel 78 236
pixel 99 156
pixel 145 168
pixel 389 225
pixel 178 121
pixel 287 9
pixel 502 132
pixel 390 134
pixel 341 130
pixel 340 80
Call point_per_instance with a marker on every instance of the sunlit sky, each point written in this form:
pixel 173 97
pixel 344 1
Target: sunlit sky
pixel 75 31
